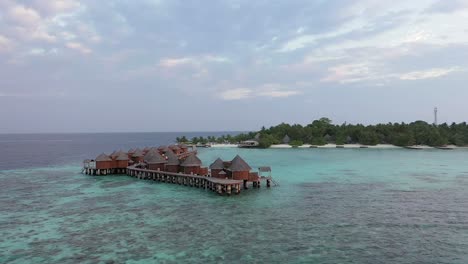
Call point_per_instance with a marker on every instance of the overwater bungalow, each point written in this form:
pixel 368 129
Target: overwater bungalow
pixel 175 149
pixel 191 165
pixel 114 154
pixel 155 161
pixel 172 162
pixel 138 156
pixel 122 160
pixel 163 149
pixel 183 148
pixel 103 162
pixel 216 167
pixel 239 169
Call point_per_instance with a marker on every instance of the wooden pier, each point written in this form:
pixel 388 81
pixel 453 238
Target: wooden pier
pixel 220 186
pixel 177 164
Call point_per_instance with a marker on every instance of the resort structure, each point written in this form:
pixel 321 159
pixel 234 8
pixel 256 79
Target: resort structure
pixel 179 164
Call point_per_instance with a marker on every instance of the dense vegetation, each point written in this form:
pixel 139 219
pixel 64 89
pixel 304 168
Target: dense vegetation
pixel 322 131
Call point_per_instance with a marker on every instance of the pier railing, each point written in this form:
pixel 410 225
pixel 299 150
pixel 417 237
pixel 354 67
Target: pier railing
pixel 220 186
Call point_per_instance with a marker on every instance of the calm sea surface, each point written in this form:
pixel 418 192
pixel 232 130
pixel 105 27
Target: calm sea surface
pixel 333 206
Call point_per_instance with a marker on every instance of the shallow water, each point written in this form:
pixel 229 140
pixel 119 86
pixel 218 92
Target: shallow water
pixel 333 206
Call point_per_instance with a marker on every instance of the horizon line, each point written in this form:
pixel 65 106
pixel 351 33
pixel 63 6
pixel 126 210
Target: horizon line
pixel 121 132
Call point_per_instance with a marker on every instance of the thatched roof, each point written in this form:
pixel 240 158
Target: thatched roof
pixel 174 147
pixel 138 153
pixel 238 164
pixel 172 159
pixel 164 149
pixel 122 156
pixel 217 164
pixel 131 151
pixel 148 155
pixel 286 139
pixel 191 160
pixel 155 149
pixel 116 153
pixel 154 158
pixel 103 157
pixel 146 149
pixel 182 145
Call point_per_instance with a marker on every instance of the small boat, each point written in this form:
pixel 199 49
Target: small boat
pixel 203 146
pixel 445 148
pixel 248 144
pixel 415 147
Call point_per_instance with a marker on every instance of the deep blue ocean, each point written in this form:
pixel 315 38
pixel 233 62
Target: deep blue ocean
pixel 332 206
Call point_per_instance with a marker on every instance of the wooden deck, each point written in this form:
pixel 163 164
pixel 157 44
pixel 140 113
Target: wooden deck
pixel 220 186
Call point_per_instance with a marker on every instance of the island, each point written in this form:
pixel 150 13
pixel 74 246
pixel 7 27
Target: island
pixel 323 133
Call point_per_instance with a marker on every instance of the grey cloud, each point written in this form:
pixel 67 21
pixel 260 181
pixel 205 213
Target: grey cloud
pixel 447 6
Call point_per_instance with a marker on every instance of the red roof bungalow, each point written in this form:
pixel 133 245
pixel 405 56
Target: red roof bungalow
pixel 103 162
pixel 216 168
pixel 239 169
pixel 172 162
pixel 138 156
pixel 121 161
pixel 175 149
pixel 130 153
pixel 154 160
pixel 183 148
pixel 191 165
pixel 145 150
pixel 163 149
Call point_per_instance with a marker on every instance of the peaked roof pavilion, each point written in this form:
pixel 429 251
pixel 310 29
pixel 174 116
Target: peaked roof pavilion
pixel 172 159
pixel 238 164
pixel 155 158
pixel 191 160
pixel 103 157
pixel 217 164
pixel 122 156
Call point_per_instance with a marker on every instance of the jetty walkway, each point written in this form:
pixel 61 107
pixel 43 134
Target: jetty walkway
pixel 220 186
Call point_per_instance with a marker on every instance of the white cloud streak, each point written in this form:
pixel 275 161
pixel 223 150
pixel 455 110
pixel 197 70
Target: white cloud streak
pixel 428 74
pixel 78 47
pixel 262 91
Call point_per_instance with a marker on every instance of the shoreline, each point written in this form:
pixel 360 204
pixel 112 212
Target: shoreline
pixel 348 146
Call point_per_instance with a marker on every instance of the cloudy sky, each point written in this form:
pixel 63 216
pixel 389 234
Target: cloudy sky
pixel 210 65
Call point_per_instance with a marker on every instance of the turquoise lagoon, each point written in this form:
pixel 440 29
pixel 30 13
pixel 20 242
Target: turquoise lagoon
pixel 332 206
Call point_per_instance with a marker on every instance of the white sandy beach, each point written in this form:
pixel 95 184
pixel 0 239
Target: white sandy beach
pixel 281 146
pixel 224 145
pixel 332 146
